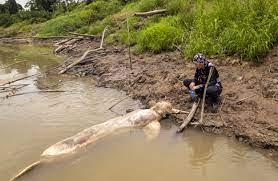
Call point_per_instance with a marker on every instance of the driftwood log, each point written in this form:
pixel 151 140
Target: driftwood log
pixel 189 117
pixel 84 35
pixel 150 13
pixel 49 37
pixel 85 54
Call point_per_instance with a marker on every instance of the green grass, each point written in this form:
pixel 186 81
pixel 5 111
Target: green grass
pixel 161 36
pixel 244 28
pixel 81 18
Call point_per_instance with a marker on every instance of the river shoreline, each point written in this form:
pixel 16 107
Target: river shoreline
pixel 159 77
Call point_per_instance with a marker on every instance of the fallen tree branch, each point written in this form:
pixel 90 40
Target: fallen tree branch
pixel 204 95
pixel 50 37
pixel 39 91
pixel 189 117
pixel 12 86
pixel 62 42
pixel 15 80
pixel 85 35
pixel 79 60
pixel 12 89
pixel 85 54
pixel 150 13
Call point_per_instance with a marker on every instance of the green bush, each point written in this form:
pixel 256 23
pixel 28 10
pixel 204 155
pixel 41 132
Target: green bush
pixel 34 16
pixel 6 20
pixel 64 24
pixel 159 37
pixel 148 5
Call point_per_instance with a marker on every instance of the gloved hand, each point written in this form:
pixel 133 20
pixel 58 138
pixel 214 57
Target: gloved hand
pixel 193 95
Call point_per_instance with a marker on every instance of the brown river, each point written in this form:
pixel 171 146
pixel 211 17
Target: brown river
pixel 30 123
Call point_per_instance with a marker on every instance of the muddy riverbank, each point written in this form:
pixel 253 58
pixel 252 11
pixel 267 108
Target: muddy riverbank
pixel 160 76
pixel 35 121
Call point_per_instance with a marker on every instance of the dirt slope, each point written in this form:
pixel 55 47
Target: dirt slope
pixel 159 77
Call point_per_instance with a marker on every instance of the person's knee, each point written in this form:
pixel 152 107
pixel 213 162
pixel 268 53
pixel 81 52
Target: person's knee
pixel 212 91
pixel 187 82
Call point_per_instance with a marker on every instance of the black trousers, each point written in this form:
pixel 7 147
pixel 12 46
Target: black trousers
pixel 212 93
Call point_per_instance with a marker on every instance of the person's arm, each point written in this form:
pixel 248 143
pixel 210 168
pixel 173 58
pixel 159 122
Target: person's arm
pixel 195 80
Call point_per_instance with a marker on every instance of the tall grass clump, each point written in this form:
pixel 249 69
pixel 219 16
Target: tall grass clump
pixel 161 36
pixel 247 28
pixel 147 5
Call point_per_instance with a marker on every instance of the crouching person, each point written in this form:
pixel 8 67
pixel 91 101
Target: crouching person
pixel 196 86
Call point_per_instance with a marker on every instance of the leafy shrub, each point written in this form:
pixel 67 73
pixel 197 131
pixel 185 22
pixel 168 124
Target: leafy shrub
pixel 6 20
pixel 147 5
pixel 159 37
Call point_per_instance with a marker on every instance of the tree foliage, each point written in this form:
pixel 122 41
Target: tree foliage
pixel 10 7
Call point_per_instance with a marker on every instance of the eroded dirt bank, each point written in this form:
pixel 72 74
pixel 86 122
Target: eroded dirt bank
pixel 159 77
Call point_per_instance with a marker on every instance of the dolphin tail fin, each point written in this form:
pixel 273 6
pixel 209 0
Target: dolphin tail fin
pixel 25 170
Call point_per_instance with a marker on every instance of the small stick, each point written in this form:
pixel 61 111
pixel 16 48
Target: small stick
pixel 118 102
pixel 128 39
pixel 40 91
pixel 245 98
pixel 25 170
pixel 204 95
pixel 177 111
pixel 25 77
pixel 14 88
pixel 102 38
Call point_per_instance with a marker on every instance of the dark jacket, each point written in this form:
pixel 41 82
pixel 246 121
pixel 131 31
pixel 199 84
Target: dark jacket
pixel 201 76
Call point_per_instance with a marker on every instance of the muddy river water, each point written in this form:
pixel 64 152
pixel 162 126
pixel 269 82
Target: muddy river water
pixel 31 122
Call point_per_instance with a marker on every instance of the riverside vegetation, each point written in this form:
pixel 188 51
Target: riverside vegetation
pixel 244 28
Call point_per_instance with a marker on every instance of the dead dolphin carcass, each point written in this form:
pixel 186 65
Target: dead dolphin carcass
pixel 148 119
